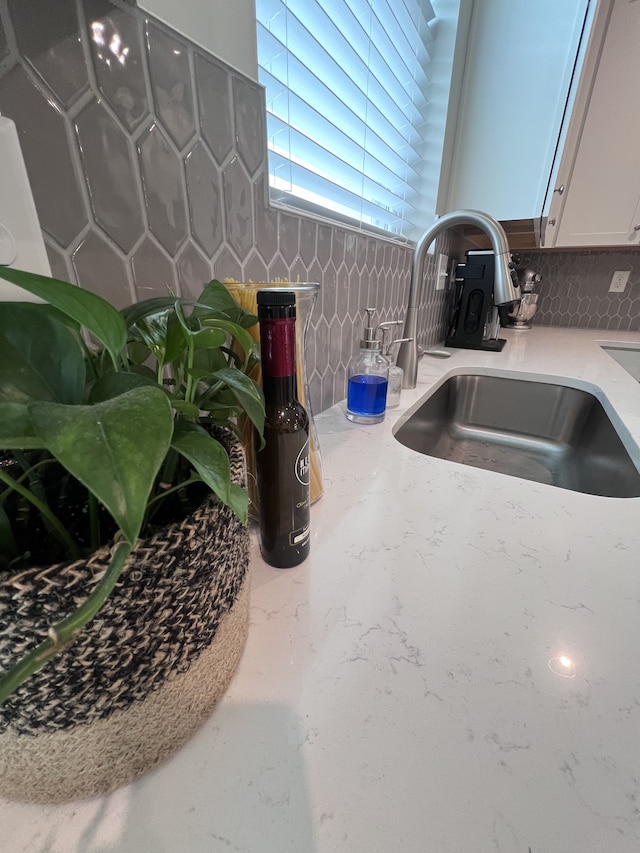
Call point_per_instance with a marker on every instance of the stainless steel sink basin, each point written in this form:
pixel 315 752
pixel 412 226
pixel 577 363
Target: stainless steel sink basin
pixel 536 430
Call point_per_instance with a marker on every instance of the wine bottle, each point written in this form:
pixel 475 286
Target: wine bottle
pixel 283 464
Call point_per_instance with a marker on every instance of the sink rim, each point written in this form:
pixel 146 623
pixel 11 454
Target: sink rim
pixel 630 348
pixel 614 344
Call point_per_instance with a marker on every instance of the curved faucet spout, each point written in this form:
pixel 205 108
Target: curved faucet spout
pixel 503 290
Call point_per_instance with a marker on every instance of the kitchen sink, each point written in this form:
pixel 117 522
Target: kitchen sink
pixel 541 431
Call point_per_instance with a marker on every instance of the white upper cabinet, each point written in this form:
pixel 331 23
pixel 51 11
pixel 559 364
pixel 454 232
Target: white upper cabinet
pixel 597 188
pixel 517 76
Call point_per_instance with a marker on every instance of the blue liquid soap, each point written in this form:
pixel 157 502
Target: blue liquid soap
pixel 366 398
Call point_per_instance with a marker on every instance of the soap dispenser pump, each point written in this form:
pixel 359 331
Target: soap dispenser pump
pixel 368 378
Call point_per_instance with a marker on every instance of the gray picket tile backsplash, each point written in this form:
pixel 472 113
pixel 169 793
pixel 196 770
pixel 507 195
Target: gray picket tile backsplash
pixel 171 84
pixel 110 173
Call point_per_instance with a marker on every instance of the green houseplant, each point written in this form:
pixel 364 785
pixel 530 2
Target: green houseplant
pixel 112 423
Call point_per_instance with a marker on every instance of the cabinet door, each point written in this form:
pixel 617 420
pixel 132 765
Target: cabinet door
pixel 600 205
pixel 517 74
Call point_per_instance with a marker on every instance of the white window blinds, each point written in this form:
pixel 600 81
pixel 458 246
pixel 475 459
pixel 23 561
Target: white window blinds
pixel 348 106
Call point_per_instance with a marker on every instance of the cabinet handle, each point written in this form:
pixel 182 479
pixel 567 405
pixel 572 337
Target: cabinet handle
pixel 636 227
pixel 559 189
pixel 551 222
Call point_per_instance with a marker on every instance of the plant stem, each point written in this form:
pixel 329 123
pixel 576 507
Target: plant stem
pixel 189 392
pixel 169 468
pixel 166 475
pixel 89 357
pixel 25 476
pixel 35 484
pixel 66 631
pixel 162 495
pixel 45 512
pixel 212 391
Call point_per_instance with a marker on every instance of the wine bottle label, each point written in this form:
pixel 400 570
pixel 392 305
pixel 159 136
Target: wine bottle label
pixel 303 465
pixel 300 536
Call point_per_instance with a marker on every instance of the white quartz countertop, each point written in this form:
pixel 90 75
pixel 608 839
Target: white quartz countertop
pixel 396 695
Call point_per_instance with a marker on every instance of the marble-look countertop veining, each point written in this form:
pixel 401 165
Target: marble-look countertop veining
pixel 396 694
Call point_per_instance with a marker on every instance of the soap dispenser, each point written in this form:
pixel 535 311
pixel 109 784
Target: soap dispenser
pixel 394 388
pixel 368 378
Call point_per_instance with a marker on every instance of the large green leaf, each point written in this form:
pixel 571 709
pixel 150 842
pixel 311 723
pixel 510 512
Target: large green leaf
pixel 113 384
pixel 216 296
pixel 239 501
pixel 162 334
pixel 114 448
pixel 41 357
pixel 211 461
pixel 210 331
pixel 207 361
pixel 16 429
pixel 137 352
pixel 189 409
pixel 132 314
pixel 208 456
pixel 241 335
pixel 247 392
pixel 209 339
pixel 93 312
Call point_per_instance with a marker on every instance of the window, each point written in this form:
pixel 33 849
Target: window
pixel 357 94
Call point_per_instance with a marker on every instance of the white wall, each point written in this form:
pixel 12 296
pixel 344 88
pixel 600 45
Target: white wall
pixel 226 28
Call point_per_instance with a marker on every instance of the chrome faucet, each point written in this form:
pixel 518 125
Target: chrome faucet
pixel 503 289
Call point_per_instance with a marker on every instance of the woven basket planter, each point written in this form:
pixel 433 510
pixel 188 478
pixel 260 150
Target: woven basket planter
pixel 142 676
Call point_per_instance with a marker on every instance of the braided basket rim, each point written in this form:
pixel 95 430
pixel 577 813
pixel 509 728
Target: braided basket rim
pixel 100 558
